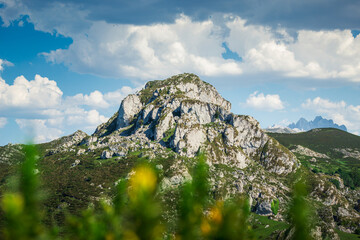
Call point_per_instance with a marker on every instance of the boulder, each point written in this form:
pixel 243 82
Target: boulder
pixel 264 208
pixel 106 154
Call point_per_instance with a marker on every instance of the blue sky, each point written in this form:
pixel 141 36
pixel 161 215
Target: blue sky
pixel 66 66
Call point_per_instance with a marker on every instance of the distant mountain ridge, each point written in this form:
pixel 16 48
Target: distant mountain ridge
pixel 318 122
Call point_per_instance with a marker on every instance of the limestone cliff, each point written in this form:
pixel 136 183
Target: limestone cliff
pixel 188 115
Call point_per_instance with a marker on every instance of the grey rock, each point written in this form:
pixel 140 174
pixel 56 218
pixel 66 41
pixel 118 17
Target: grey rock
pixel 106 154
pixel 264 208
pixel 308 152
pixel 128 108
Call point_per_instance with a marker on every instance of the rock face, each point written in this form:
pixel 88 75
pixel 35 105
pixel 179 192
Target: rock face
pixel 171 121
pixel 264 208
pixel 130 106
pixel 188 115
pixel 308 152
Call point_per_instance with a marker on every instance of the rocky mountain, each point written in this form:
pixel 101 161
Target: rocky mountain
pixel 319 122
pixel 188 115
pixel 167 124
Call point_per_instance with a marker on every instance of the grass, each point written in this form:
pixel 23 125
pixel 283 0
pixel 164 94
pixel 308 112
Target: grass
pixel 347 236
pixel 135 211
pixel 263 227
pixel 168 134
pixel 319 140
pixel 325 141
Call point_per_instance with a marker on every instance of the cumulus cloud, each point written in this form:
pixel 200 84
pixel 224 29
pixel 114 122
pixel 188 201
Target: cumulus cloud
pixel 264 102
pixel 161 50
pixel 42 112
pixel 99 100
pixel 79 116
pixel 38 93
pixel 147 52
pixel 39 129
pixel 333 54
pixel 108 47
pixel 3 122
pixel 340 112
pixel 43 130
pixel 95 99
pixel 118 95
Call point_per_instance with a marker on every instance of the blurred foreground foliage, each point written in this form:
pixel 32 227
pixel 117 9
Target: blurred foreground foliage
pixel 136 211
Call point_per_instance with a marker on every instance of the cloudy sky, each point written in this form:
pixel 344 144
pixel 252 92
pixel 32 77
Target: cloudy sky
pixel 66 65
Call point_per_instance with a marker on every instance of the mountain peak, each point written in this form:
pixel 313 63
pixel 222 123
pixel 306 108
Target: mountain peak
pixel 183 85
pixel 187 115
pixel 318 122
pixel 176 89
pixel 318 118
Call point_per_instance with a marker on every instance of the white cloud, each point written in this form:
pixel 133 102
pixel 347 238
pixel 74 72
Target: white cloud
pixel 43 130
pixel 99 100
pixel 161 50
pixel 3 122
pixel 39 130
pixel 78 116
pixel 95 99
pixel 333 54
pixel 43 113
pixel 340 112
pixel 264 102
pixel 37 94
pixel 147 52
pixel 4 63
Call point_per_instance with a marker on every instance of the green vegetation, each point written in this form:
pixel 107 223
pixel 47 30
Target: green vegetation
pixel 168 134
pixel 275 206
pixel 346 236
pixel 150 87
pixel 136 208
pixel 300 212
pixel 327 141
pixel 319 140
pixel 263 227
pixel 351 178
pixel 335 182
pixel 134 212
pixel 217 114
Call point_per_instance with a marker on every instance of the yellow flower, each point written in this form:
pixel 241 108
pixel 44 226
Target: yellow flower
pixel 143 180
pixel 109 236
pixel 13 203
pixel 130 235
pixel 215 213
pixel 205 227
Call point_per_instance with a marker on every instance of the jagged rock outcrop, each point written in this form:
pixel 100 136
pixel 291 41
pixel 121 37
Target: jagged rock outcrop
pixel 67 143
pixel 188 115
pixel 308 152
pixel 11 154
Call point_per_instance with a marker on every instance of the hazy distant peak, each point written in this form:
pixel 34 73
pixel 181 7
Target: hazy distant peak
pixel 318 122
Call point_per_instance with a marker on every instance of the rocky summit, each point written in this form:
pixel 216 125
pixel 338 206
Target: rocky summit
pixel 188 115
pixel 171 121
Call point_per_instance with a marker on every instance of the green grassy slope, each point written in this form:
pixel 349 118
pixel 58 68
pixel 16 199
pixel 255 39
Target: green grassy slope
pixel 326 141
pixel 320 140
